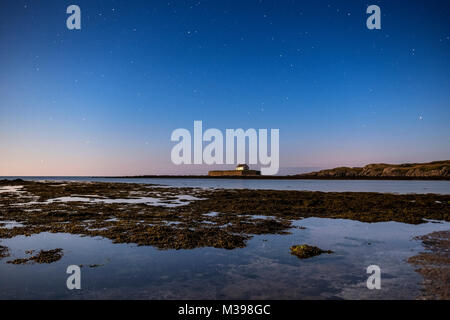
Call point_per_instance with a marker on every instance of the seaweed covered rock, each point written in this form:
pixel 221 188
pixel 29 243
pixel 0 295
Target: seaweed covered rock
pixel 304 251
pixel 43 256
pixel 4 252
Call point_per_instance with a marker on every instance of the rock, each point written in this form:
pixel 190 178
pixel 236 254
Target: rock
pixel 305 251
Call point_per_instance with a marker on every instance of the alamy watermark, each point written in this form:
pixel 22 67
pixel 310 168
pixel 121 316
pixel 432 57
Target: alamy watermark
pixel 374 280
pixel 374 20
pixel 216 152
pixel 73 22
pixel 74 280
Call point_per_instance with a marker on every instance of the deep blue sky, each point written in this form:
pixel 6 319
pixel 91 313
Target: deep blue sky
pixel 105 99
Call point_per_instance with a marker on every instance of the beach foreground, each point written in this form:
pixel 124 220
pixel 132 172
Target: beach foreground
pixel 167 218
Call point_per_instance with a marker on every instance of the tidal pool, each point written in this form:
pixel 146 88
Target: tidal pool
pixel 385 186
pixel 264 269
pixel 180 200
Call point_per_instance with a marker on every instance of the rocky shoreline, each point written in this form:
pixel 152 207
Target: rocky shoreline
pixel 432 170
pixel 185 218
pixel 434 265
pixel 188 218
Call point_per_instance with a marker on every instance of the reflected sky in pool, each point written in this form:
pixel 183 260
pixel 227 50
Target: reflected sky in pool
pixel 265 269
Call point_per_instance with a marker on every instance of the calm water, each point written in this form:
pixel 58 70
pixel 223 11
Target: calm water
pixel 388 186
pixel 264 269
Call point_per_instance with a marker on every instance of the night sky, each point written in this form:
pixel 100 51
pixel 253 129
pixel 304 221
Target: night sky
pixel 105 99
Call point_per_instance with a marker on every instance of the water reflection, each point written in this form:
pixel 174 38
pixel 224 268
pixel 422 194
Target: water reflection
pixel 262 270
pixel 386 186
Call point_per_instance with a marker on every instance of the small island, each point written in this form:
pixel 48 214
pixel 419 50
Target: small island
pixel 241 170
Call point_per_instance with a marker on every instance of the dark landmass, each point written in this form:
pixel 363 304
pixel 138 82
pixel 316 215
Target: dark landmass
pixel 431 170
pixel 434 265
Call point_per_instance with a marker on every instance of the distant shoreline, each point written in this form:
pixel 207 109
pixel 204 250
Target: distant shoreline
pixel 436 170
pixel 431 171
pixel 291 177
